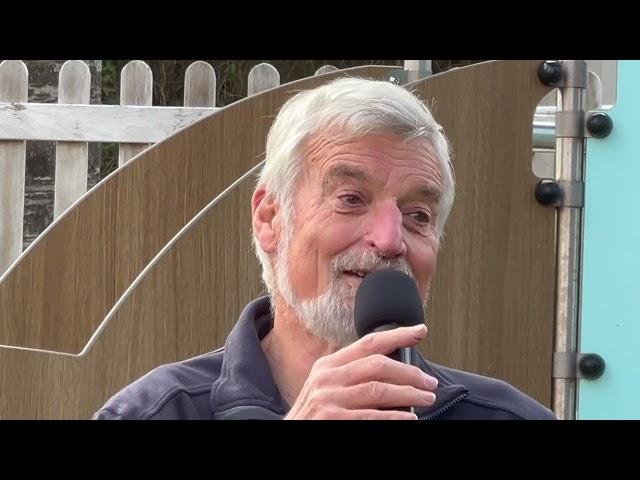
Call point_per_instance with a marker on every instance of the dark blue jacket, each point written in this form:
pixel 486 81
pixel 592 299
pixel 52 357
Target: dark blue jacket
pixel 235 382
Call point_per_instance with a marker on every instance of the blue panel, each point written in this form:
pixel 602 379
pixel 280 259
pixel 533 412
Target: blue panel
pixel 611 277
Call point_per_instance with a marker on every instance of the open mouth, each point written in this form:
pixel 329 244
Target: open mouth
pixel 356 273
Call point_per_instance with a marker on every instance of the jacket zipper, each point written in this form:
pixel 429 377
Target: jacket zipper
pixel 446 407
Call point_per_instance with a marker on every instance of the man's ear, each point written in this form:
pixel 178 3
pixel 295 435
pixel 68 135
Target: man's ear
pixel 264 209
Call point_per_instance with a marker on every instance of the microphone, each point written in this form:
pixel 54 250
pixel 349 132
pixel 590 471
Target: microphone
pixel 385 300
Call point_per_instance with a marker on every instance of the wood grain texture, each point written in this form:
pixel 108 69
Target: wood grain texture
pixel 136 88
pixel 200 85
pixel 65 283
pixel 170 315
pixel 72 158
pixel 14 79
pixel 95 123
pixel 262 77
pixel 492 302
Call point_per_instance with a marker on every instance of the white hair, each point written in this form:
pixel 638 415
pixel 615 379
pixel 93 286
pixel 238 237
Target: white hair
pixel 354 107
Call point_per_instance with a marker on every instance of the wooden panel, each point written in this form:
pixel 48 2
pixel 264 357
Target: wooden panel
pixel 136 88
pixel 326 69
pixel 72 159
pixel 151 327
pixel 492 300
pixel 492 305
pixel 70 277
pixel 200 85
pixel 13 88
pixel 262 77
pixel 94 123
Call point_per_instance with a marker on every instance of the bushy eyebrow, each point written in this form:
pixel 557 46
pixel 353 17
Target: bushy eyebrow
pixel 340 173
pixel 428 193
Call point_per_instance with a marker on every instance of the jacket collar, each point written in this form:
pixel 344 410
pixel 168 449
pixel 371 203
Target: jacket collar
pixel 245 387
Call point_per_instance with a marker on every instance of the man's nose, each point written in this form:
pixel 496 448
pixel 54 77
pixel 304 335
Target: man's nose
pixel 385 231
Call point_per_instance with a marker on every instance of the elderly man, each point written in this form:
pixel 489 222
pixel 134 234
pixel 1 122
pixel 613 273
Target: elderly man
pixel 357 179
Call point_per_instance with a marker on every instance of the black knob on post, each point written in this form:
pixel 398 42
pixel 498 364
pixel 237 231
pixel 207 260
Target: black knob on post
pixel 599 125
pixel 551 73
pixel 591 366
pixel 548 192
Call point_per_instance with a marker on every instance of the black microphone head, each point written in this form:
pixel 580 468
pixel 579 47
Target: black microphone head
pixel 387 298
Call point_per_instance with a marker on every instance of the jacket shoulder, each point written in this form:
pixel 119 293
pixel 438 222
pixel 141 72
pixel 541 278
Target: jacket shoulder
pixel 176 391
pixel 497 398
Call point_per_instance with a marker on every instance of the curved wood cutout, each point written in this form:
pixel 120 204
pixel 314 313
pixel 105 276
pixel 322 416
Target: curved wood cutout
pixel 170 314
pixel 61 288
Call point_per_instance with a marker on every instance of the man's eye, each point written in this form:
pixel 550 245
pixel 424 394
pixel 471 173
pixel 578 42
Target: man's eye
pixel 421 217
pixel 350 199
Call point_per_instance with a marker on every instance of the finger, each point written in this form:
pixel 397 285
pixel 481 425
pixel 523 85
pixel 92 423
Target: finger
pixel 372 414
pixel 381 395
pixel 379 342
pixel 382 369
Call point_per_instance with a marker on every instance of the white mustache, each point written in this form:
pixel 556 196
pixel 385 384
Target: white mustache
pixel 368 261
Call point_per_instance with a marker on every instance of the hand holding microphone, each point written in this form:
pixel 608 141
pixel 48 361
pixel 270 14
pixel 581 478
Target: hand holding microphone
pixel 360 380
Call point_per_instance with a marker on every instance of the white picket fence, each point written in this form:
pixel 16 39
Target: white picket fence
pixel 136 123
pixel 73 122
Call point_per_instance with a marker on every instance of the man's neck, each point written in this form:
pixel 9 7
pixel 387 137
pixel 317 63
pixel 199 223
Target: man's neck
pixel 291 351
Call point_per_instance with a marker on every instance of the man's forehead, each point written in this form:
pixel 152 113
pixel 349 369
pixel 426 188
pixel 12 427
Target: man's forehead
pixel 321 141
pixel 322 150
pixel 338 173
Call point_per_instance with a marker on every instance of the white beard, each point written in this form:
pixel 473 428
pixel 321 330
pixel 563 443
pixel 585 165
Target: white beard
pixel 329 316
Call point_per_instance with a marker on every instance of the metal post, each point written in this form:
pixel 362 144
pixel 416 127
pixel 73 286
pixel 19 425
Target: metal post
pixel 569 168
pixel 417 69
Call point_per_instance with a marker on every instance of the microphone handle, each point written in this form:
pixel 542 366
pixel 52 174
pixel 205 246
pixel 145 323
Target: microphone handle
pixel 402 355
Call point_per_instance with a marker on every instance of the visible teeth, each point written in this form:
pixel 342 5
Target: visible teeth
pixel 357 272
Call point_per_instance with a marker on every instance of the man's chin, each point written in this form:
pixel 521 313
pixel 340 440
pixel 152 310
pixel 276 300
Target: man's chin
pixel 339 304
